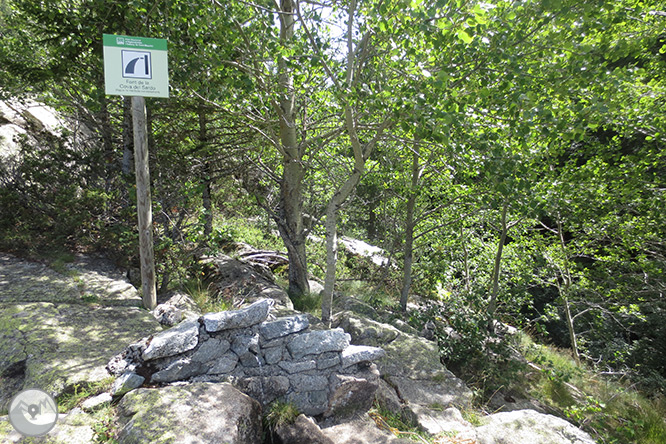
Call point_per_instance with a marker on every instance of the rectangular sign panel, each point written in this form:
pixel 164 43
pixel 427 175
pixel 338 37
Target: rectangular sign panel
pixel 135 66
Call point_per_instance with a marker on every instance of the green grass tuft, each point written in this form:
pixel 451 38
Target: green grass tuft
pixel 281 413
pixel 397 424
pixel 309 303
pixel 371 294
pixel 199 291
pixel 75 394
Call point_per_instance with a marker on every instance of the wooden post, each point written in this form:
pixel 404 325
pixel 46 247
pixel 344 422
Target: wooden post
pixel 143 202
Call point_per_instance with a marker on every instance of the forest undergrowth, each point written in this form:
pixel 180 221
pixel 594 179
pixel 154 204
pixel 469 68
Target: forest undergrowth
pixel 612 409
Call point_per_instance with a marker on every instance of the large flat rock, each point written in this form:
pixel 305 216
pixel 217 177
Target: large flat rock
pixel 24 281
pixel 74 427
pixel 60 329
pixel 87 280
pixel 53 346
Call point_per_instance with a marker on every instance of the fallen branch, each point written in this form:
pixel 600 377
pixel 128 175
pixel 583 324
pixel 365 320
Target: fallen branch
pixel 273 258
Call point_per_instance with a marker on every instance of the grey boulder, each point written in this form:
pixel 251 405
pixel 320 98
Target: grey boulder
pixel 529 427
pixel 362 430
pixel 302 431
pixel 194 414
pixel 415 382
pixel 126 382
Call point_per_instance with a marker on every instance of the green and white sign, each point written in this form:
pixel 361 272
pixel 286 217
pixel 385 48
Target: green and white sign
pixel 135 66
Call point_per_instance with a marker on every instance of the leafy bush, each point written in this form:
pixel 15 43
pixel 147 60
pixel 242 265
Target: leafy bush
pixel 459 326
pixel 238 229
pixel 467 347
pixel 58 196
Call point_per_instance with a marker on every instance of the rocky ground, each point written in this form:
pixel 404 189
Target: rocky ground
pixel 59 329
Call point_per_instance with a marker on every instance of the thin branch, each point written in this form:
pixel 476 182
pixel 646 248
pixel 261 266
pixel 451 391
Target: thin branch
pixel 316 48
pixel 442 225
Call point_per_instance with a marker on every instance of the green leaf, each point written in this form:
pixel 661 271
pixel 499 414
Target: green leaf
pixel 480 15
pixel 462 35
pixel 481 19
pixel 447 119
pixel 443 76
pixel 443 24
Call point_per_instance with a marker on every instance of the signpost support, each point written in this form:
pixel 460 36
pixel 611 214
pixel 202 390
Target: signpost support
pixel 143 202
pixel 138 67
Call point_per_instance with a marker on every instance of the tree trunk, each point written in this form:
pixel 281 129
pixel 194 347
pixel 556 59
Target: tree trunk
pixel 492 304
pixel 368 193
pixel 409 232
pixel 106 127
pixel 570 327
pixel 564 293
pixel 290 226
pixel 205 175
pixel 290 217
pixel 463 239
pixel 372 219
pixel 207 201
pixel 331 263
pixel 332 239
pixel 361 154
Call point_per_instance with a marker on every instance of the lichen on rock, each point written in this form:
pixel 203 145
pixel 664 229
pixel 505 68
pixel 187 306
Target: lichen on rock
pixel 50 337
pixel 194 413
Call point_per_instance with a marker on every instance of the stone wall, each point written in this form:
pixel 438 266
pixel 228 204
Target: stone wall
pixel 319 371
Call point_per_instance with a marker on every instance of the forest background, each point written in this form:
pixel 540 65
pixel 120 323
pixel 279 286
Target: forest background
pixel 508 156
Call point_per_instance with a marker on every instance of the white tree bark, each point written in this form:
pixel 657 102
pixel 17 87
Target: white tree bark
pixel 361 154
pixel 564 293
pixel 492 304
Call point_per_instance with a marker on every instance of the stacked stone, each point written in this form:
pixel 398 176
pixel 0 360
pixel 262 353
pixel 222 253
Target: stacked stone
pixel 319 371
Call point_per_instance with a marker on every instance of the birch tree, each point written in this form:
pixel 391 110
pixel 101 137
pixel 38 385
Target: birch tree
pixel 347 82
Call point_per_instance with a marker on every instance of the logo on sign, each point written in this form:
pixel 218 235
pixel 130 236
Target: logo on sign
pixel 137 65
